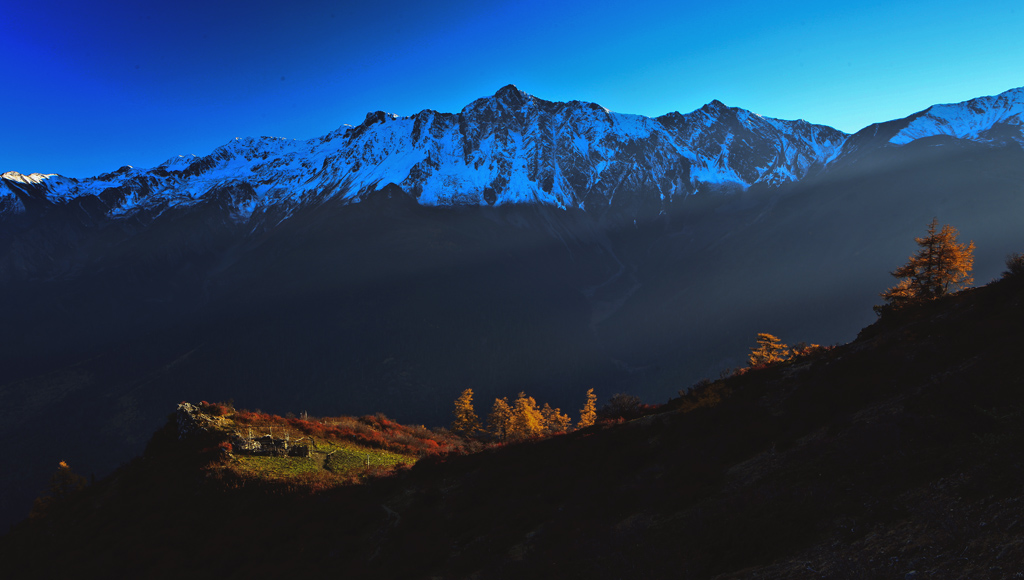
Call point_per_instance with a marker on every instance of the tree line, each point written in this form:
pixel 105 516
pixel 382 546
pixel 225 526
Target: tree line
pixel 519 419
pixel 940 267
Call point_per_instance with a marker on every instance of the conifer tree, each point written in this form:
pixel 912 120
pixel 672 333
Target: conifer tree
pixel 527 420
pixel 500 419
pixel 942 265
pixel 63 484
pixel 588 414
pixel 769 350
pixel 466 421
pixel 554 420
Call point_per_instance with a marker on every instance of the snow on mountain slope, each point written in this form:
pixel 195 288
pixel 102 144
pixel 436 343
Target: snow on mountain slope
pixel 10 201
pixel 741 147
pixel 507 148
pixel 983 119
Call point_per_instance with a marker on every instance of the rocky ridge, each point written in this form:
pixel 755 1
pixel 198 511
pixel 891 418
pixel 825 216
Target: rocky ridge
pixel 508 148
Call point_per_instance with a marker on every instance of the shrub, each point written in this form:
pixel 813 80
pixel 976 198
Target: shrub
pixel 215 409
pixel 622 406
pixel 1014 266
pixel 64 483
pixel 802 349
pixel 703 394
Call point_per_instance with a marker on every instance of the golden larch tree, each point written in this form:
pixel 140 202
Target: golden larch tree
pixel 554 420
pixel 588 414
pixel 500 419
pixel 466 421
pixel 941 266
pixel 526 418
pixel 769 350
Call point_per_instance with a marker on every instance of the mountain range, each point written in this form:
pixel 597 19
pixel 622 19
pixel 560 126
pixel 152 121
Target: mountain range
pixel 519 244
pixel 510 148
pixel 507 148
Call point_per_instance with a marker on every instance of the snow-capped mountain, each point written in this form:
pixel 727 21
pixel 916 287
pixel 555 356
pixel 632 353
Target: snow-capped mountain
pixel 993 120
pixel 985 119
pixel 731 145
pixel 507 148
pixel 511 148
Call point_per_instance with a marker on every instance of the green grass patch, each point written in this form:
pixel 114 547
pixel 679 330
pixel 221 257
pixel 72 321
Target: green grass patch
pixel 334 457
pixel 277 467
pixel 349 458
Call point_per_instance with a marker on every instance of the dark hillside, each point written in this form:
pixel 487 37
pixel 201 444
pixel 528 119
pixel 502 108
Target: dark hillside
pixel 897 455
pixel 806 260
pixel 351 309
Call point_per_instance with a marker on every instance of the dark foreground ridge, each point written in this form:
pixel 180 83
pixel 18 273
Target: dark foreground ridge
pixel 895 456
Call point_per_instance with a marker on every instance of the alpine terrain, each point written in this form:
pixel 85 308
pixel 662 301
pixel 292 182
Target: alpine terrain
pixel 517 245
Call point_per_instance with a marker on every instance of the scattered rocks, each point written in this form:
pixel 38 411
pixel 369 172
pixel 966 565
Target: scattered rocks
pixel 269 446
pixel 299 451
pixel 191 421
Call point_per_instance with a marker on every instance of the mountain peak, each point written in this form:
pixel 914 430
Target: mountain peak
pixel 511 95
pixel 509 90
pixel 715 109
pixel 378 117
pixel 32 178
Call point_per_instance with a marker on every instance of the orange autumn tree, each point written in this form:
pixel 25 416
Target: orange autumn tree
pixel 588 414
pixel 769 350
pixel 554 420
pixel 500 420
pixel 523 419
pixel 527 420
pixel 466 421
pixel 941 266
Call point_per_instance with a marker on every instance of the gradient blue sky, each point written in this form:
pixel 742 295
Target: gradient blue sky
pixel 93 85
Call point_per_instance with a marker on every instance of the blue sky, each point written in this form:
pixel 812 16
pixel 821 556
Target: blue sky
pixel 91 86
